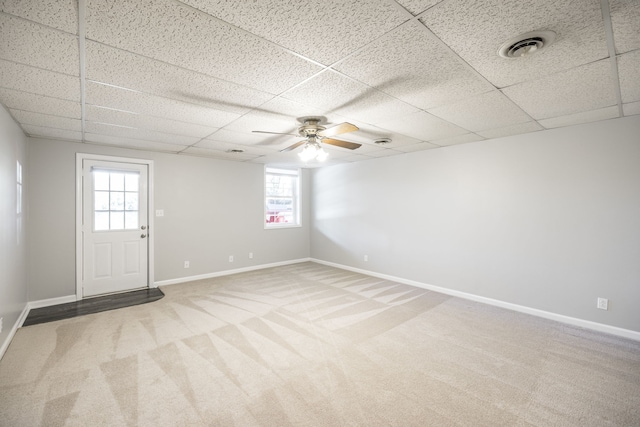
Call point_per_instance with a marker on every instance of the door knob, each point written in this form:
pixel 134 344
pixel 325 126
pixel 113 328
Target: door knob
pixel 144 227
pixel 142 236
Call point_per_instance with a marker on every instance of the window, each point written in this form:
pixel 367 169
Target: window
pixel 115 197
pixel 281 197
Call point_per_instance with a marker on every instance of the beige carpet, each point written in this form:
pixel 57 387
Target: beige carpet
pixel 310 345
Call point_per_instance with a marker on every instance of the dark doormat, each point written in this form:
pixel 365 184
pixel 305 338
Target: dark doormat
pixel 92 305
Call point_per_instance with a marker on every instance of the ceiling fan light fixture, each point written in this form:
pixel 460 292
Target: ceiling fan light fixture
pixel 313 150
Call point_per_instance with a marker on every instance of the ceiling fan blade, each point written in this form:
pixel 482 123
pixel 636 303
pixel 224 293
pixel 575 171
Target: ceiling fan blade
pixel 274 133
pixel 294 146
pixel 338 129
pixel 340 143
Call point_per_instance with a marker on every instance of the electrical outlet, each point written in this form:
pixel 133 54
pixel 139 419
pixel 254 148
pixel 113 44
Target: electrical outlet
pixel 186 264
pixel 250 255
pixel 366 258
pixel 159 212
pixel 603 304
pixel 230 258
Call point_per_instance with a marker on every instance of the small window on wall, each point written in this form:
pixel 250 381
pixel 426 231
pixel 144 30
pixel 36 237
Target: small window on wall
pixel 115 197
pixel 282 197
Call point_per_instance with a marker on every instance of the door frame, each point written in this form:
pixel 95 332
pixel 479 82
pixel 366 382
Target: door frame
pixel 80 158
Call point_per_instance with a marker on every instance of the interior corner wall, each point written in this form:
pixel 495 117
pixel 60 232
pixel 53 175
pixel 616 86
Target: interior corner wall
pixel 13 270
pixel 212 209
pixel 548 220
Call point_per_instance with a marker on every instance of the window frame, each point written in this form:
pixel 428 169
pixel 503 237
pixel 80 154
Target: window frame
pixel 296 196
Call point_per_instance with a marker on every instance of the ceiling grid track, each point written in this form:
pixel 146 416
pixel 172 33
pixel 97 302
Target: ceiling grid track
pixel 82 8
pixel 608 28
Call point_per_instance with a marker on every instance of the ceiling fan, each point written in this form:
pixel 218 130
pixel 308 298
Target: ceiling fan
pixel 314 134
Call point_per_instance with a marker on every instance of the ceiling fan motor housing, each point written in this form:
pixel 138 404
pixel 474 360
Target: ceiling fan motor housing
pixel 311 127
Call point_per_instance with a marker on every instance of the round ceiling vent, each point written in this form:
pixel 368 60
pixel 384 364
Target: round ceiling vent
pixel 235 151
pixel 382 141
pixel 526 44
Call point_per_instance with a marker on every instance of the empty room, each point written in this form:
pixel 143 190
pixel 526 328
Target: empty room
pixel 320 213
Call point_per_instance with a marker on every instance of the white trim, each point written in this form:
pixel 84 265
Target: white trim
pixel 14 329
pixel 587 324
pixel 80 157
pixel 229 272
pixel 51 301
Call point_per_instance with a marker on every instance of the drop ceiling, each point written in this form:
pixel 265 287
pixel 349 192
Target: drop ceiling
pixel 197 77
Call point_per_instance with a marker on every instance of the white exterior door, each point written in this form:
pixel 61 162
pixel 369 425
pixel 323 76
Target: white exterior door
pixel 114 227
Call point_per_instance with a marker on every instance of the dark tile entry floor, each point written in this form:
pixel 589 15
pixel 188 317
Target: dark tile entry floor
pixel 92 305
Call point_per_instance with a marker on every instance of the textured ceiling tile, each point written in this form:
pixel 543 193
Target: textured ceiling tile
pixel 482 112
pixel 462 139
pixel 264 122
pixel 323 31
pixel 217 154
pixel 45 120
pixel 135 144
pixel 123 118
pixel 121 99
pixel 328 91
pixel 511 130
pixel 19 100
pixel 583 117
pixel 422 126
pixel 625 19
pixel 288 159
pixel 476 29
pixel 60 14
pixel 291 109
pixel 417 6
pixel 32 44
pixel 253 139
pixel 421 146
pixel 412 66
pixel 629 70
pixel 631 109
pixel 177 34
pixel 252 150
pixel 45 132
pixel 387 152
pixel 117 67
pixel 580 89
pixel 41 82
pixel 341 95
pixel 143 134
pixel 356 158
pixel 375 106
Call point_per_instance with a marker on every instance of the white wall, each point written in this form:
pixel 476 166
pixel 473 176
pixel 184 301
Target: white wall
pixel 213 209
pixel 13 273
pixel 548 220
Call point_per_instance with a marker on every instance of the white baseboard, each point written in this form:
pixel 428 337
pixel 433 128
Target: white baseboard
pixel 228 272
pixel 51 301
pixel 587 324
pixel 14 329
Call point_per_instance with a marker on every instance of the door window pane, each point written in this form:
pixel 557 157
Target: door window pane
pixel 130 201
pixel 116 220
pixel 116 181
pixel 117 201
pixel 131 220
pixel 131 182
pixel 101 222
pixel 101 199
pixel 101 180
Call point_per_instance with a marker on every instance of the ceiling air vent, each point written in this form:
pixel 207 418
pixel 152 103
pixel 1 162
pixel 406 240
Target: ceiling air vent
pixel 382 141
pixel 526 44
pixel 235 151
